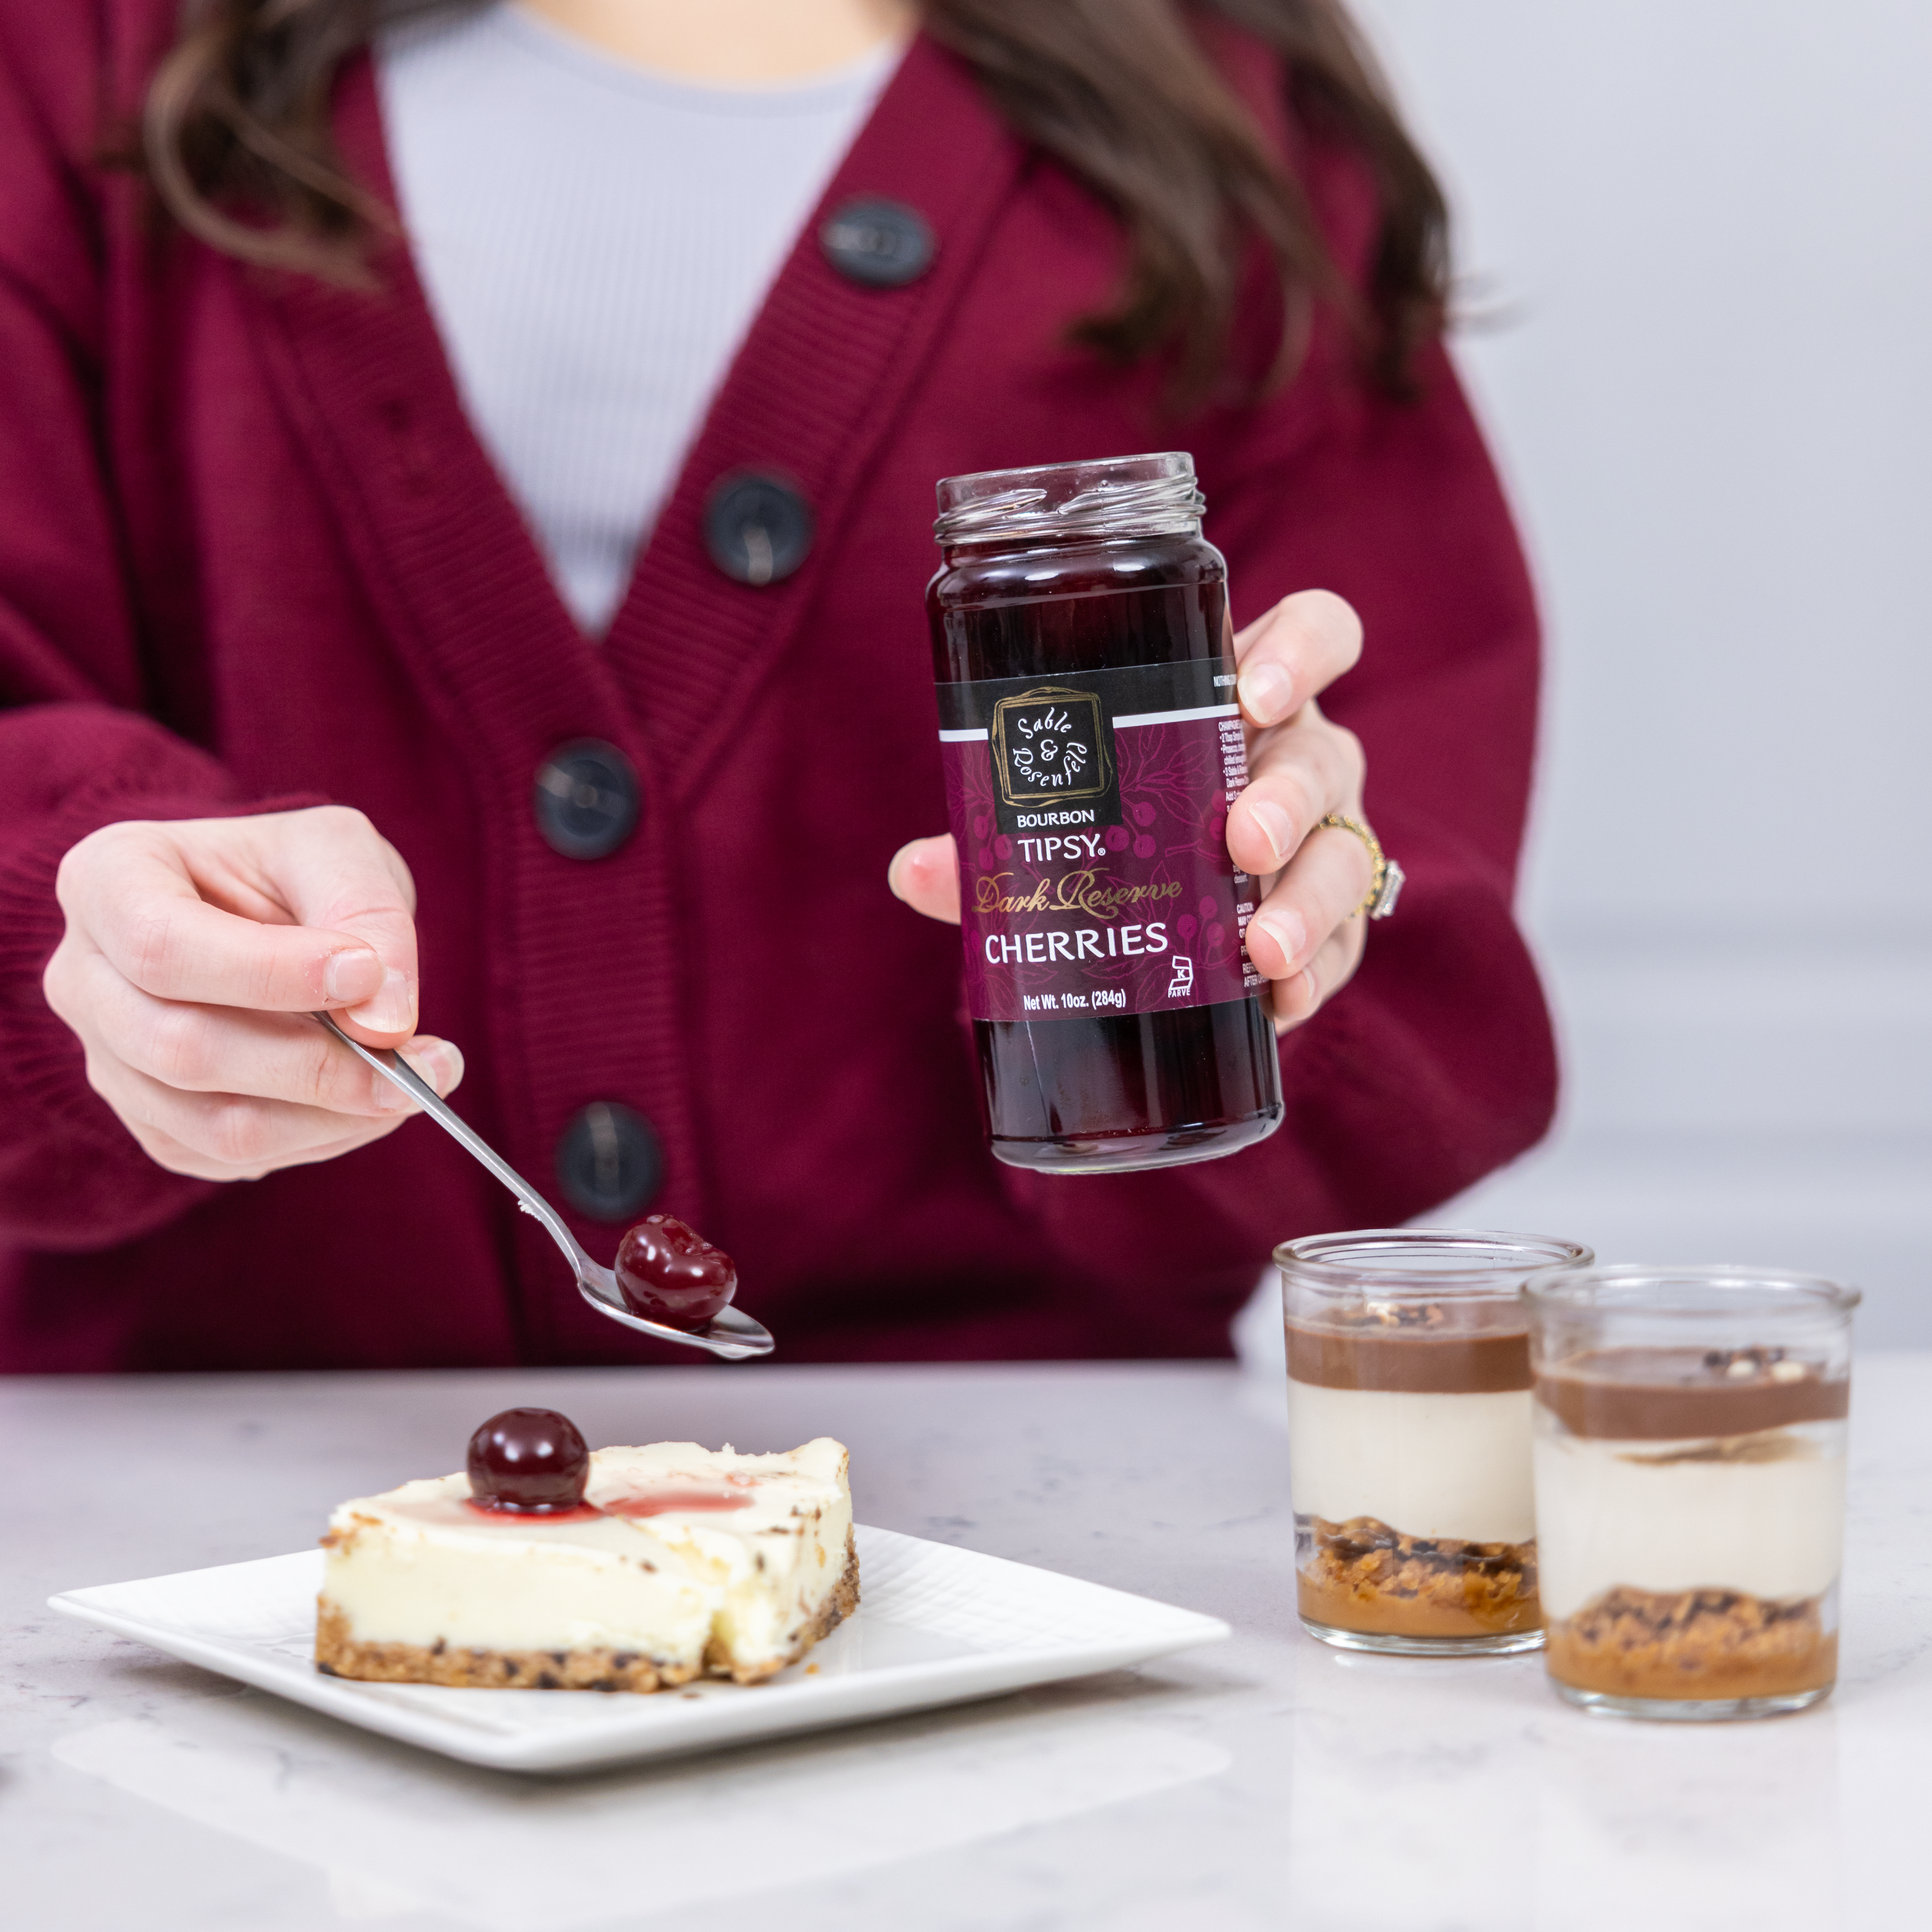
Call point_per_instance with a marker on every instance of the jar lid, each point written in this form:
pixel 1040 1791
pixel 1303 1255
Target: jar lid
pixel 1118 496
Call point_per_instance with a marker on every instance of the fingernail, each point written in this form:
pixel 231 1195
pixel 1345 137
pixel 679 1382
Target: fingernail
pixel 441 1065
pixel 1266 690
pixel 1277 828
pixel 351 976
pixel 1285 928
pixel 391 1010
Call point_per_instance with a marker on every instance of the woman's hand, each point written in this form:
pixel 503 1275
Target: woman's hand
pixel 1303 937
pixel 1301 767
pixel 194 951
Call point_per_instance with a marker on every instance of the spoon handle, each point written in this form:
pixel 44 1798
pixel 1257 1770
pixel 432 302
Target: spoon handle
pixel 731 1333
pixel 394 1069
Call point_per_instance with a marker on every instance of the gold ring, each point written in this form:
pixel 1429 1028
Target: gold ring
pixel 1387 881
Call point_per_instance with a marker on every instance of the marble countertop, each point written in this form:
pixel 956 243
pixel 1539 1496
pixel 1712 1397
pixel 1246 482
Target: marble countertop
pixel 1265 1785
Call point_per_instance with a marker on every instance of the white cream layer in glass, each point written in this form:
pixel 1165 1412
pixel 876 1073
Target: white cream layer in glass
pixel 1425 1464
pixel 1763 1514
pixel 774 1562
pixel 417 1564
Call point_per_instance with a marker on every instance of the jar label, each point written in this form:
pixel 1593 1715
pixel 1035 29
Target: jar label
pixel 1090 811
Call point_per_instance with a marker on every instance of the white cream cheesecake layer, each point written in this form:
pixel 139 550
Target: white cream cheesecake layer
pixel 738 1587
pixel 1427 1465
pixel 774 1562
pixel 419 1566
pixel 1762 1513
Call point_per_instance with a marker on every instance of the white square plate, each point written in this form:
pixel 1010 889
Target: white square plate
pixel 935 1625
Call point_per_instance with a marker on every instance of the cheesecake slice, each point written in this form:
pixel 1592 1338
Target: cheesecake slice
pixel 678 1561
pixel 772 1534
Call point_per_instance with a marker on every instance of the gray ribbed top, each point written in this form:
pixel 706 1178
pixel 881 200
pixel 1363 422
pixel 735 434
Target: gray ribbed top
pixel 595 241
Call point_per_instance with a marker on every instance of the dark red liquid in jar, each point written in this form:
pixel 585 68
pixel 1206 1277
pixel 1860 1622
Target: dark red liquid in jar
pixel 1091 1092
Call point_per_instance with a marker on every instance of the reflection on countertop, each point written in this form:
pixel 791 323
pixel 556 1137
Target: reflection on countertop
pixel 396 1830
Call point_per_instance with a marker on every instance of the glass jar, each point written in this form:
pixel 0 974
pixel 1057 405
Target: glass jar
pixel 1409 1430
pixel 1690 1428
pixel 1092 744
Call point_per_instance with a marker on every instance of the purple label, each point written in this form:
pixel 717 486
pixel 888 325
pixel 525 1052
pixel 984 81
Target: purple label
pixel 1108 888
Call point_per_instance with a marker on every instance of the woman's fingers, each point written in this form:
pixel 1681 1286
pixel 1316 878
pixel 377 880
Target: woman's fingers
pixel 925 874
pixel 1297 775
pixel 340 874
pixel 1295 1000
pixel 1324 883
pixel 218 1138
pixel 193 951
pixel 1303 936
pixel 284 913
pixel 1293 653
pixel 269 1056
pixel 171 1154
pixel 227 1136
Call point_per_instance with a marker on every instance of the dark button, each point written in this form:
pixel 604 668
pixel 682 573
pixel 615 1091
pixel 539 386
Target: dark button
pixel 881 244
pixel 757 529
pixel 608 1162
pixel 585 799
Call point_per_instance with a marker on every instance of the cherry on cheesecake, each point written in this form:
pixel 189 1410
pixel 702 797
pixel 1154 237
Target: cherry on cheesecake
pixel 529 1462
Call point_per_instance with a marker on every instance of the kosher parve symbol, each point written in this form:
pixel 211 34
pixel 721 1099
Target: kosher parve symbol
pixel 1051 744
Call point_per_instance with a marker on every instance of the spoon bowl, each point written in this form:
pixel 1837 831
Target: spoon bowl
pixel 731 1334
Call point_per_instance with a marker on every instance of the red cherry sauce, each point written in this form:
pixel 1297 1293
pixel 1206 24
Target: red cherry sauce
pixel 529 1462
pixel 661 1502
pixel 669 1273
pixel 497 1513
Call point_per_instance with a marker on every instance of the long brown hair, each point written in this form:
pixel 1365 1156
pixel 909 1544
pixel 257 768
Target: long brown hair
pixel 236 139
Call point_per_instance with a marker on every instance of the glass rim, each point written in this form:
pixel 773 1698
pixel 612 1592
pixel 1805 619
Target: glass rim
pixel 1317 1259
pixel 1575 1288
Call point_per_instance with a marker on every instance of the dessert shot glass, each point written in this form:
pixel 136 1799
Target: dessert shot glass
pixel 1690 1460
pixel 1409 1427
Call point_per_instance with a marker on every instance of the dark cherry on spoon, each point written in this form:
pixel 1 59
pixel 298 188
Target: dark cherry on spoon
pixel 676 1285
pixel 669 1273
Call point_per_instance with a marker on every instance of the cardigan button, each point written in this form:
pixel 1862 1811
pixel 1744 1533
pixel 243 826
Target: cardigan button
pixel 608 1161
pixel 585 799
pixel 878 244
pixel 757 529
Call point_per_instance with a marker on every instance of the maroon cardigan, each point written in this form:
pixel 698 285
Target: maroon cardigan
pixel 251 550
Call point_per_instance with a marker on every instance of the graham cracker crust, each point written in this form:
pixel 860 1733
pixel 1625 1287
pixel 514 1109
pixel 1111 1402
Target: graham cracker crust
pixel 1361 1575
pixel 339 1654
pixel 1692 1644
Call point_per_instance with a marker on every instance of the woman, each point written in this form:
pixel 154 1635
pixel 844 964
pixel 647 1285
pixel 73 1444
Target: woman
pixel 316 519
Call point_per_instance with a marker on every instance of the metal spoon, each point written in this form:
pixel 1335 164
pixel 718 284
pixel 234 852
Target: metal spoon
pixel 731 1333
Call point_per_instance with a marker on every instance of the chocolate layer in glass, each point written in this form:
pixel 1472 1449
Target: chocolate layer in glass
pixel 1409 1419
pixel 1690 1500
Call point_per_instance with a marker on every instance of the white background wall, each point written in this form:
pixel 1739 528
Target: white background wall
pixel 1705 228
